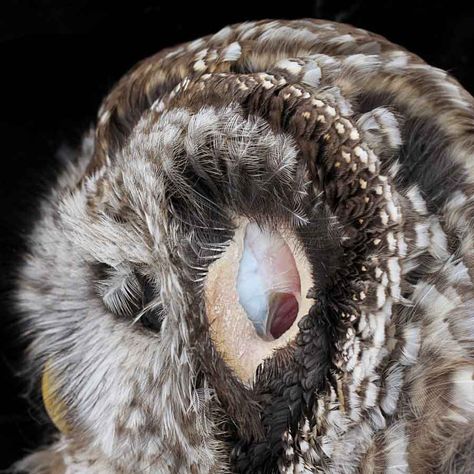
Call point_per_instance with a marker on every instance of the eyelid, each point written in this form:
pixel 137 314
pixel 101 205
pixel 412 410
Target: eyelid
pixel 131 295
pixel 121 293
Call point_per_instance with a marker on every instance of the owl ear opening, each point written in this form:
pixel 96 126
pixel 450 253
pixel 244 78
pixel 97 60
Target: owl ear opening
pixel 255 295
pixel 268 282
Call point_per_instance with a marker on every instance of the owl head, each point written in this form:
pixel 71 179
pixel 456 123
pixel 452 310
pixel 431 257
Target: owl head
pixel 260 261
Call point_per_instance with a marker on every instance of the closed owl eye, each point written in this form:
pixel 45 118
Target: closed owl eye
pixel 128 294
pixel 151 315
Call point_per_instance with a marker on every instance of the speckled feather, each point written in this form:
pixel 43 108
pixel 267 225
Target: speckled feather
pixel 355 143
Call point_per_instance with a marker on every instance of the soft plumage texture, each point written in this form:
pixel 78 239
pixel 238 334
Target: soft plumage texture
pixel 366 153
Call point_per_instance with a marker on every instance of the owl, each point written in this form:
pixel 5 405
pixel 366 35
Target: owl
pixel 261 260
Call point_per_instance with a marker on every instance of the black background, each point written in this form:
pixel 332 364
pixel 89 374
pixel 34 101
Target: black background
pixel 59 58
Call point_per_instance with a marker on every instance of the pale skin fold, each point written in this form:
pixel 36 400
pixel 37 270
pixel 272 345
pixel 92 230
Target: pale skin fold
pixel 261 272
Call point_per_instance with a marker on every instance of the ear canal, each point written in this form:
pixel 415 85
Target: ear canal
pixel 55 407
pixel 268 282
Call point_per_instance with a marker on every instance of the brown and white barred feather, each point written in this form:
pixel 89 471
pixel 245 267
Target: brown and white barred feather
pixel 355 144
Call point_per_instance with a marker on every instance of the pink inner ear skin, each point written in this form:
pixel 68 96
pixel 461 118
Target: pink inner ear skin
pixel 282 313
pixel 254 295
pixel 269 283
